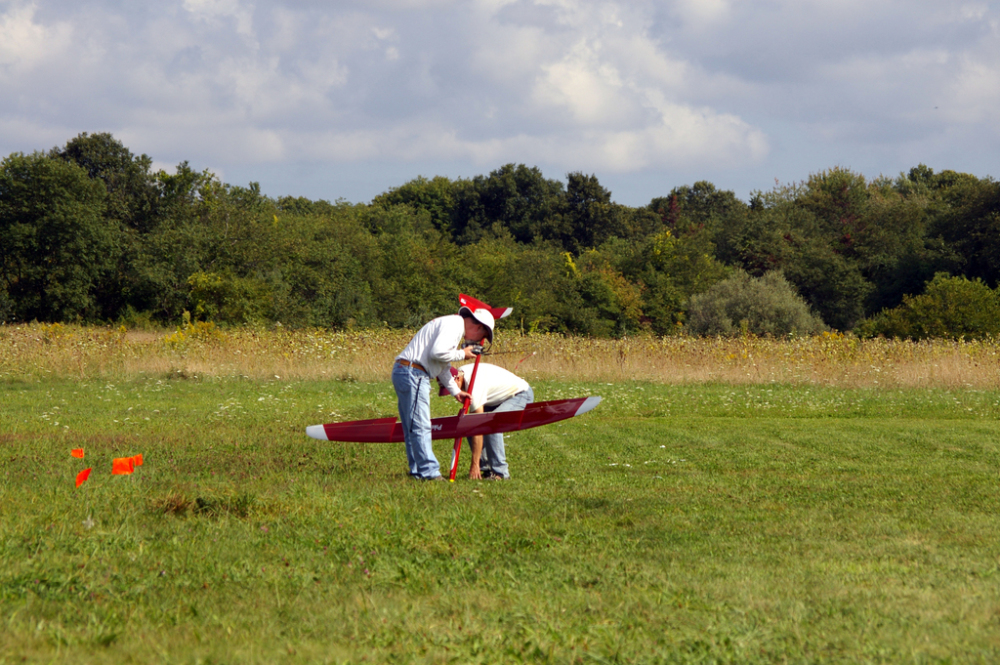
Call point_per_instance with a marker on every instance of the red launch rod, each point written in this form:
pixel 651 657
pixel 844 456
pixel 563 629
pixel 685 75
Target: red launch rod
pixel 465 410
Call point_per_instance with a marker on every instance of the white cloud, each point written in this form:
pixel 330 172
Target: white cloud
pixel 407 5
pixel 296 85
pixel 972 11
pixel 25 43
pixel 211 9
pixel 610 86
pixel 582 85
pixel 974 97
pixel 701 13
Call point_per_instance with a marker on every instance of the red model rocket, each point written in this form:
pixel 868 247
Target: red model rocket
pixel 390 430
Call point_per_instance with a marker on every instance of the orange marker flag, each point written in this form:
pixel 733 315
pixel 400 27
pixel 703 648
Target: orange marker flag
pixel 137 460
pixel 122 466
pixel 77 453
pixel 82 477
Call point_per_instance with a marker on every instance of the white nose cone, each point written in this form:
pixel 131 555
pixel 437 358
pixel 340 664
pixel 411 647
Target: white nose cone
pixel 317 432
pixel 587 405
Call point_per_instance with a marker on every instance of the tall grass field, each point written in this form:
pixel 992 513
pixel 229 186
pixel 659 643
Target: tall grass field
pixel 822 500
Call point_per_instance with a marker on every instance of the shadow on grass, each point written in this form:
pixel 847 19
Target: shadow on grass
pixel 240 505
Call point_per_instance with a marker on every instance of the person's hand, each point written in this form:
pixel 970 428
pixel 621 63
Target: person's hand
pixel 462 396
pixel 470 351
pixel 474 473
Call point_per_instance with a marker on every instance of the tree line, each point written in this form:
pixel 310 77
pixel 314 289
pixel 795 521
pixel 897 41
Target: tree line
pixel 89 232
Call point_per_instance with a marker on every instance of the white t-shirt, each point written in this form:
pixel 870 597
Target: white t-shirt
pixel 435 346
pixel 493 384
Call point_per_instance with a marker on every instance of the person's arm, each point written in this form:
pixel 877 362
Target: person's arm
pixel 447 337
pixel 477 452
pixel 448 383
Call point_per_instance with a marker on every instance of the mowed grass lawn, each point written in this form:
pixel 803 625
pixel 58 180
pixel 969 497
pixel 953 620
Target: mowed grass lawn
pixel 673 524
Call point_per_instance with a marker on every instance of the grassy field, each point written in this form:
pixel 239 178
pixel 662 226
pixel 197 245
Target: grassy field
pixel 751 521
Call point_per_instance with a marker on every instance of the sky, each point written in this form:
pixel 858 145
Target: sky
pixel 348 99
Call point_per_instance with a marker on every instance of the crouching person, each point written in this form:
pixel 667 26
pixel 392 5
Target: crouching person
pixel 495 389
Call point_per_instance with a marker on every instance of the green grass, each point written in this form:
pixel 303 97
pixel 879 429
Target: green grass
pixel 673 524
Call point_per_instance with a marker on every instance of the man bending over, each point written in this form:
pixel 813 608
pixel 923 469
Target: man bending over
pixel 495 389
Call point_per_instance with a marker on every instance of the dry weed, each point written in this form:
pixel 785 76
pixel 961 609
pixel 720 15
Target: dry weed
pixel 40 350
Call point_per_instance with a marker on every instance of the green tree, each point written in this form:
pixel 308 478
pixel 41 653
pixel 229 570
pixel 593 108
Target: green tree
pixel 515 199
pixel 133 203
pixel 668 270
pixel 837 201
pixel 591 217
pixel 531 278
pixel 832 285
pixel 56 244
pixel 418 273
pixel 178 247
pixel 968 220
pixel 701 209
pixel 810 232
pixel 897 253
pixel 329 263
pixel 436 196
pixel 950 307
pixel 133 195
pixel 612 305
pixel 227 297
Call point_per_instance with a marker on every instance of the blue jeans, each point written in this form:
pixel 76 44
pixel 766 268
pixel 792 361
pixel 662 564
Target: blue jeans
pixel 413 398
pixel 494 457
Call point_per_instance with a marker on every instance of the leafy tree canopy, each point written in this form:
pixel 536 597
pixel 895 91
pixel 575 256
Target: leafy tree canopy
pixel 57 244
pixel 88 231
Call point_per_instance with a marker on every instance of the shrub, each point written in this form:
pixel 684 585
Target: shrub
pixel 952 307
pixel 226 297
pixel 766 305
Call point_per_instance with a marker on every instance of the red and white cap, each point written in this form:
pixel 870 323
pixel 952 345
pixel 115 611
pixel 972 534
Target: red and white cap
pixel 472 303
pixel 483 316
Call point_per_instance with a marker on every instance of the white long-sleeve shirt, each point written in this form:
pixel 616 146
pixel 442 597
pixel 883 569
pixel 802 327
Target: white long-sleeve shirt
pixel 493 384
pixel 435 346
